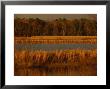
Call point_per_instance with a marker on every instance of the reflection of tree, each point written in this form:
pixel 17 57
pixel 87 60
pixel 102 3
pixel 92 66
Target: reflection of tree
pixel 58 27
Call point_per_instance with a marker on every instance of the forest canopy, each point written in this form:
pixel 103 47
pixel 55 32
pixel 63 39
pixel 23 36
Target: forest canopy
pixel 26 27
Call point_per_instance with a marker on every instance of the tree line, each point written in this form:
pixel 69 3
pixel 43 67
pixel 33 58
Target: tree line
pixel 27 27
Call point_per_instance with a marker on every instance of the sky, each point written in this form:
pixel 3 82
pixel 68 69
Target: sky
pixel 56 16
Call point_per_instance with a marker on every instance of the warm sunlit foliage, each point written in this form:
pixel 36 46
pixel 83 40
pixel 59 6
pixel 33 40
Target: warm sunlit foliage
pixel 59 62
pixel 39 58
pixel 56 39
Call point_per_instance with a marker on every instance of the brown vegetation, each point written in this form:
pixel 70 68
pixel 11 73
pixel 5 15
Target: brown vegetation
pixel 56 39
pixel 27 27
pixel 81 59
pixel 58 31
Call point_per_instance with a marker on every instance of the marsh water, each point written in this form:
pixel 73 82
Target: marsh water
pixel 56 71
pixel 49 47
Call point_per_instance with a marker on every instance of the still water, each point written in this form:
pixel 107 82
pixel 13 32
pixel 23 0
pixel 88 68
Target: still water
pixel 49 47
pixel 57 71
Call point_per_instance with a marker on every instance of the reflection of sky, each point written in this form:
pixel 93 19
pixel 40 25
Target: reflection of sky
pixel 56 16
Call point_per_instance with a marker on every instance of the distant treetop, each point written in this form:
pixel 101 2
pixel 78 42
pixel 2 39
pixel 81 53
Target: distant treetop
pixel 27 27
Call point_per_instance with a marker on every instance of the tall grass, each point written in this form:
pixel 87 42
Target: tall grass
pixel 58 62
pixel 57 57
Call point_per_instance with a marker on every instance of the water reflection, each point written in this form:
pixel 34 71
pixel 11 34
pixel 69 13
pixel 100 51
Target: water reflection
pixel 54 71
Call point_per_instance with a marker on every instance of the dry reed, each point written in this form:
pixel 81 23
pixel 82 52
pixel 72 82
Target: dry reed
pixel 56 39
pixel 57 57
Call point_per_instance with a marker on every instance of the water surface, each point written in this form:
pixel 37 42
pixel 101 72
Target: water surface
pixel 49 47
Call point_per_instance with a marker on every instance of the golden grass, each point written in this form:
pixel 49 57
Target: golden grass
pixel 58 57
pixel 59 62
pixel 56 39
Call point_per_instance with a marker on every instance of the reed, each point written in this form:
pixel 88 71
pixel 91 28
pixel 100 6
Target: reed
pixel 59 62
pixel 58 57
pixel 56 39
